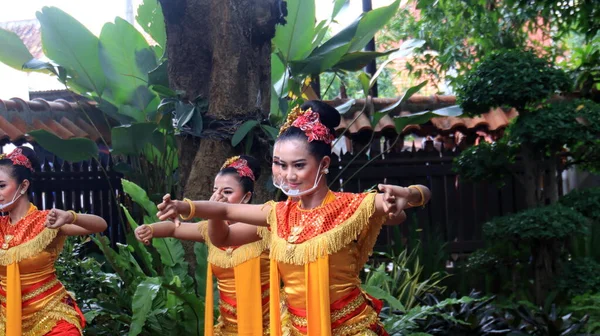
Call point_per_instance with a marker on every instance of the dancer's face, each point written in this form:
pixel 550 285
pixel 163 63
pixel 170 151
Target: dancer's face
pixel 231 188
pixel 295 166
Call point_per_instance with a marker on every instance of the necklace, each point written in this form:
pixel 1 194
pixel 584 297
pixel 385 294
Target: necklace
pixel 10 230
pixel 308 216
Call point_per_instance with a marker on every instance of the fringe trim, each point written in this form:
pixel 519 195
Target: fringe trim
pixel 331 241
pixel 239 255
pixel 29 248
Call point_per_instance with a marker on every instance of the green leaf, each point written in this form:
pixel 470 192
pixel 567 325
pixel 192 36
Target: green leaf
pixel 150 17
pixel 370 23
pixel 383 295
pixel 271 131
pixel 405 50
pixel 363 78
pixel 132 138
pixel 37 65
pixel 411 91
pixel 320 32
pixel 70 44
pixel 13 52
pixel 163 91
pixel 294 38
pixel 72 150
pixel 183 113
pixel 345 107
pixel 357 60
pixel 422 117
pixel 242 131
pixel 279 88
pixel 140 250
pixel 126 59
pixel 326 55
pixel 139 196
pixel 201 253
pixel 141 305
pixel 338 5
pixel 248 143
pixel 159 75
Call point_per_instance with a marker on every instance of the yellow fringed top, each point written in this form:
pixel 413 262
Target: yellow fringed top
pixel 33 300
pixel 318 254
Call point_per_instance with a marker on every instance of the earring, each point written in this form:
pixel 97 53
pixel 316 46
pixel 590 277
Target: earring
pixel 326 171
pixel 22 192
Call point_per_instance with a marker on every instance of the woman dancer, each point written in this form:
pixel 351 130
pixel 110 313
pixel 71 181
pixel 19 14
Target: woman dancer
pixel 320 240
pixel 34 302
pixel 242 270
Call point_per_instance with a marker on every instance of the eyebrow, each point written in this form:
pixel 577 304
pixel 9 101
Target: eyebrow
pixel 297 161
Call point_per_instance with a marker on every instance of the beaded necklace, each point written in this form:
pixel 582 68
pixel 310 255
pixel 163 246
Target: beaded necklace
pixel 11 230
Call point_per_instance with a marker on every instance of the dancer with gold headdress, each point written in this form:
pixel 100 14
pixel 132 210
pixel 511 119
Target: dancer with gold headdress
pixel 34 302
pixel 320 239
pixel 242 270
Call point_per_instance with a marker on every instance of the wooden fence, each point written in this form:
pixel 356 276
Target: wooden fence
pixel 87 187
pixel 457 210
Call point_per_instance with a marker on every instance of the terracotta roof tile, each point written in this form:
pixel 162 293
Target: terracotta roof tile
pixel 493 121
pixel 64 119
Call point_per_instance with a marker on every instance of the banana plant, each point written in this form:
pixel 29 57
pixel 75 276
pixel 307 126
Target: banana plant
pixel 164 298
pixel 121 72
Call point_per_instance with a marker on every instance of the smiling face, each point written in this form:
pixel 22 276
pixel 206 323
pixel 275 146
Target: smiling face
pixel 9 188
pixel 231 188
pixel 295 166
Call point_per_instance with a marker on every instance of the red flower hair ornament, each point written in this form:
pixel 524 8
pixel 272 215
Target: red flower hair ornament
pixel 18 158
pixel 241 167
pixel 308 121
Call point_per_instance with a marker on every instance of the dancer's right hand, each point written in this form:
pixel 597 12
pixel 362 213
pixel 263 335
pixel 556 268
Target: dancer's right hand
pixel 167 210
pixel 144 233
pixel 218 196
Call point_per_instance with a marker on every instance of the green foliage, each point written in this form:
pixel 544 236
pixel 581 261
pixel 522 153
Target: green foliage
pixel 142 290
pixel 486 162
pixel 14 53
pixel 574 124
pixel 586 201
pixel 588 304
pixel 404 282
pixel 579 276
pixel 510 78
pixel 544 223
pixel 73 150
pixel 459 33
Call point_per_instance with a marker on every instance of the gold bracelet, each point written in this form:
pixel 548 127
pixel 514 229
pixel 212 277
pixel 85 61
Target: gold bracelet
pixel 74 216
pixel 151 229
pixel 422 196
pixel 192 210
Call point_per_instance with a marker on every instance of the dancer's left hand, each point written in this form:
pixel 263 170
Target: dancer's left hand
pixel 57 218
pixel 395 199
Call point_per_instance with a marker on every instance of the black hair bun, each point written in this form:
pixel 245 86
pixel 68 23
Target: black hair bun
pixel 253 164
pixel 30 154
pixel 329 116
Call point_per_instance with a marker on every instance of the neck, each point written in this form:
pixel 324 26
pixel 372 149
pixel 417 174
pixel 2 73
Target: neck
pixel 316 198
pixel 20 210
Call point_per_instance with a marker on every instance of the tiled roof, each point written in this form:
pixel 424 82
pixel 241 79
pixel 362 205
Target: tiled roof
pixel 29 32
pixel 64 119
pixel 493 121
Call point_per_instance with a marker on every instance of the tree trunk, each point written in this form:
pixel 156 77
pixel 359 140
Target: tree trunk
pixel 219 51
pixel 532 175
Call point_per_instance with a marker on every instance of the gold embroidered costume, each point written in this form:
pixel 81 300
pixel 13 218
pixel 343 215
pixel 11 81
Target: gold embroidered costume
pixel 243 282
pixel 32 299
pixel 318 253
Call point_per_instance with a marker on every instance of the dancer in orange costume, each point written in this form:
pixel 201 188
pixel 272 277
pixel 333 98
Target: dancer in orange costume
pixel 33 301
pixel 320 239
pixel 242 271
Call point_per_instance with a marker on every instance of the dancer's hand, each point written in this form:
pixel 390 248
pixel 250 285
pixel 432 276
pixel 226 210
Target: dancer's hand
pixel 144 233
pixel 218 196
pixel 57 218
pixel 168 210
pixel 395 199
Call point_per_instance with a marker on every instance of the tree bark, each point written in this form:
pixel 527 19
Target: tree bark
pixel 219 51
